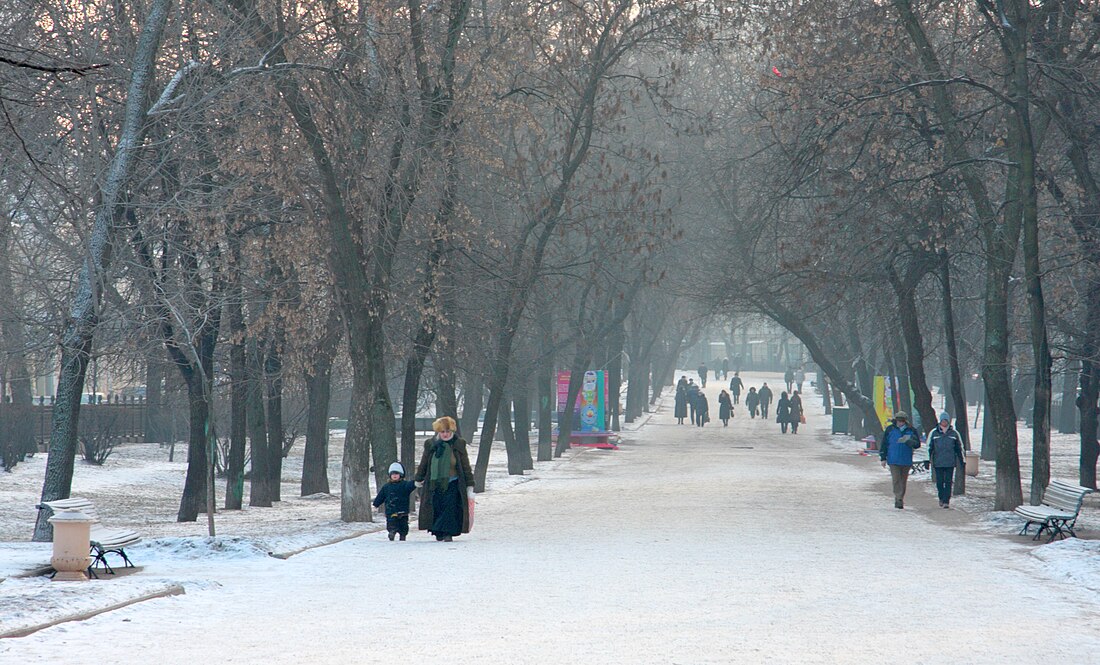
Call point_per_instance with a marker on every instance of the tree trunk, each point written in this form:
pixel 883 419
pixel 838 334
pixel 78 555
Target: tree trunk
pixel 1067 410
pixel 955 387
pixel 522 410
pixel 615 374
pixel 864 380
pixel 446 393
pixel 565 416
pixel 544 380
pixel 355 470
pixel 83 315
pixel 914 345
pixel 276 437
pixel 410 395
pixel 193 502
pixel 472 401
pixel 18 432
pixel 378 431
pixel 260 492
pixel 238 405
pixel 507 432
pixel 1000 419
pixel 157 425
pixel 1087 402
pixel 318 381
pixel 1022 201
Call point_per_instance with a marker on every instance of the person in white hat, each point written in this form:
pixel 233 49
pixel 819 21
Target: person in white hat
pixel 394 497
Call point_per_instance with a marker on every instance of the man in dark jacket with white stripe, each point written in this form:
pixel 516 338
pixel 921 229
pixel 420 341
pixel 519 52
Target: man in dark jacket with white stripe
pixel 945 449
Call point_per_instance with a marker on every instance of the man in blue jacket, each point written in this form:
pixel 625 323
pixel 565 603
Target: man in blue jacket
pixel 896 451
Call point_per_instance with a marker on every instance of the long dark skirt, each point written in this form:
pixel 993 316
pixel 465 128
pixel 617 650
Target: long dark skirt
pixel 447 511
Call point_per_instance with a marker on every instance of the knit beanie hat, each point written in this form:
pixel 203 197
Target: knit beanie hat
pixel 945 416
pixel 397 468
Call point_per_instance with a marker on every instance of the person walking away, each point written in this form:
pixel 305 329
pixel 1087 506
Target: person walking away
pixel 680 409
pixel 735 387
pixel 702 409
pixel 788 378
pixel 796 411
pixel 725 368
pixel 393 497
pixel 945 449
pixel 896 451
pixel 702 371
pixel 765 394
pixel 752 401
pixel 692 398
pixel 448 483
pixel 783 411
pixel 725 408
pixel 799 379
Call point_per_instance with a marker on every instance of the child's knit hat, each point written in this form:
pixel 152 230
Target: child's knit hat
pixel 397 468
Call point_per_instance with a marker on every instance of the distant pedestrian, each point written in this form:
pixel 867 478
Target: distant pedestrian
pixel 702 409
pixel 896 451
pixel 393 498
pixel 702 371
pixel 725 408
pixel 796 411
pixel 692 398
pixel 735 387
pixel 765 394
pixel 725 368
pixel 788 378
pixel 945 449
pixel 752 402
pixel 799 378
pixel 680 409
pixel 783 411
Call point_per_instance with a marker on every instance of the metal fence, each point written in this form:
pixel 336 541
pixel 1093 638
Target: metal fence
pixel 125 417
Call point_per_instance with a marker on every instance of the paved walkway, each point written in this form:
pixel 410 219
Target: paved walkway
pixel 711 545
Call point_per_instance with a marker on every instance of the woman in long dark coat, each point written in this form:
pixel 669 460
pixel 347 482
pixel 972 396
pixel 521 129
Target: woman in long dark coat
pixel 446 482
pixel 752 401
pixel 681 405
pixel 796 411
pixel 702 409
pixel 725 407
pixel 783 411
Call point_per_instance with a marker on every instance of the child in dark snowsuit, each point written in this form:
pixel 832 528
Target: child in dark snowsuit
pixel 395 494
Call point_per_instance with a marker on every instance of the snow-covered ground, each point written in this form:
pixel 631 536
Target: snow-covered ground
pixel 689 545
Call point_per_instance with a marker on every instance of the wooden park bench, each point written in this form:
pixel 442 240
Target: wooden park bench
pixel 103 541
pixel 1057 513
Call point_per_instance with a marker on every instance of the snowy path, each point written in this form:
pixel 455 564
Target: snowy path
pixel 653 554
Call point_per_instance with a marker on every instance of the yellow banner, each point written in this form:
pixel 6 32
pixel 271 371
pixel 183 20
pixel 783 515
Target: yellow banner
pixel 883 395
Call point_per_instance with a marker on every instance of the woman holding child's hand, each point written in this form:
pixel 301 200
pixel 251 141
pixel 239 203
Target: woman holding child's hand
pixel 447 481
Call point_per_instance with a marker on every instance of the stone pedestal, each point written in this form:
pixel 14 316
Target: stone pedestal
pixel 972 464
pixel 71 555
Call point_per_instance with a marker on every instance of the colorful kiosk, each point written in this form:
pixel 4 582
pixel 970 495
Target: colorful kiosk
pixel 590 413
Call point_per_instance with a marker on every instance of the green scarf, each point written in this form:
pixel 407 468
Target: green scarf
pixel 443 459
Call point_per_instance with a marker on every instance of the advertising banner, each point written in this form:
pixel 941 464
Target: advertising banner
pixel 590 409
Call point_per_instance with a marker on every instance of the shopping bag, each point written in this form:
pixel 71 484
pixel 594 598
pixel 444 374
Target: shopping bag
pixel 802 419
pixel 470 506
